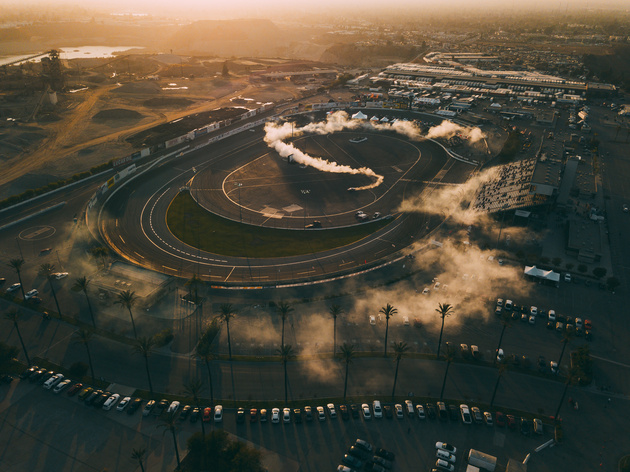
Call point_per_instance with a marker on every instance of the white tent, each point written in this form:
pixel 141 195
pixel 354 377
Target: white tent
pixel 495 105
pixel 384 120
pixel 374 118
pixel 359 116
pixel 536 273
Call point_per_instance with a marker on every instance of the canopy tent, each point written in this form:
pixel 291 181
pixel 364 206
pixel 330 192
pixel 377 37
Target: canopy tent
pixel 359 116
pixel 547 275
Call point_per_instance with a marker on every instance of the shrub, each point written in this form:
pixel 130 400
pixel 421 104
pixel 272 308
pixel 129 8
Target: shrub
pixel 599 272
pixel 78 369
pixel 163 337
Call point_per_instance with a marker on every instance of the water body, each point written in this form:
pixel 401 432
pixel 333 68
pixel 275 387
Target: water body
pixel 80 52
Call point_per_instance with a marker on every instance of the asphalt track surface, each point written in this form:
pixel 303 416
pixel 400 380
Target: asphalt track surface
pixel 242 179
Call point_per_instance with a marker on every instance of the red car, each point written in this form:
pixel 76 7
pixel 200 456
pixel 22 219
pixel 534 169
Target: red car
pixel 588 324
pixel 499 419
pixel 207 414
pixel 511 421
pixel 253 415
pixel 74 389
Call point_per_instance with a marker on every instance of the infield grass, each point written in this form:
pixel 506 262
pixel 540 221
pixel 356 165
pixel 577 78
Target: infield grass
pixel 199 228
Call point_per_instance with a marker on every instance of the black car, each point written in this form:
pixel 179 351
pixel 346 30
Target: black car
pixel 526 427
pixel 240 415
pixel 388 411
pixel 352 461
pixel 344 412
pixel 354 410
pixel 358 453
pixel 42 380
pixel 453 413
pixel 134 405
pixel 551 325
pixel 194 415
pixel 100 401
pixel 6 379
pixel 36 375
pixel 430 411
pixel 297 415
pixel 385 454
pixel 27 373
pixel 160 407
pixel 542 364
pixel 308 413
pixel 442 412
pixel 185 412
pixel 91 398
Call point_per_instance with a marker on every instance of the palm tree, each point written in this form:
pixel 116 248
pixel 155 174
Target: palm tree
pixel 206 353
pixel 566 337
pixel 399 350
pixel 286 354
pixel 128 299
pixel 82 284
pixel 192 389
pixel 83 336
pixel 17 264
pixel 226 313
pixel 14 316
pixel 506 321
pixel 449 356
pixel 283 309
pixel 193 285
pixel 144 346
pixel 444 310
pixel 138 455
pixel 502 368
pixel 388 311
pixel 572 378
pixel 347 353
pixel 335 311
pixel 46 270
pixel 169 423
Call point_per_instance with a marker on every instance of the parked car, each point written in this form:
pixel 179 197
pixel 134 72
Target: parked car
pixel 160 407
pixel 441 464
pixel 385 454
pixel 134 405
pixel 100 401
pixel 420 412
pixel 286 415
pixel 173 407
pixel 453 412
pixel 511 421
pixel 240 415
pixel 358 452
pixel 382 462
pixel 28 372
pixel 352 461
pixel 366 411
pixel 148 407
pixel 263 415
pixel 275 415
pixel 91 398
pixel 123 404
pixel 194 414
pixel 430 410
pixel 378 411
pixel 308 413
pixel 14 288
pixel 74 389
pixel 387 412
pixel 185 412
pixel 61 385
pixel 218 414
pixel 525 427
pixel 465 412
pixel 111 401
pixel 500 419
pixel 343 409
pixel 538 426
pixel 399 411
pixel 84 393
pixel 477 416
pixel 487 416
pixel 52 381
pixel 442 411
pixel 331 410
pixel 253 415
pixel 366 446
pixel 31 293
pixel 354 410
pixel 297 415
pixel 445 455
pixel 446 447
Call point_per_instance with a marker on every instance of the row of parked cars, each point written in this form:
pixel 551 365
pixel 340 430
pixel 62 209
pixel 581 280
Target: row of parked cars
pixel 362 455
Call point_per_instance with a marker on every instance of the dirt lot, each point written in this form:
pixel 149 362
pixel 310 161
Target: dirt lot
pixel 100 114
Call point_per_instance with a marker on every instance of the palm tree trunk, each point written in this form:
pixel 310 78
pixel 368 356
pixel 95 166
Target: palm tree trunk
pixel 282 341
pixel 345 383
pixel 440 340
pixel 210 381
pixel 133 323
pixel 496 386
pixel 21 284
pixel 17 329
pixel 386 330
pixel 395 379
pixel 52 289
pixel 566 386
pixel 286 396
pixel 90 308
pixel 448 364
pixel 176 448
pixel 564 345
pixel 87 348
pixel 146 365
pixel 141 465
pixel 229 343
pixel 500 341
pixel 334 338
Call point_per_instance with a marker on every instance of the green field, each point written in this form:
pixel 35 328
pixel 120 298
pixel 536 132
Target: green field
pixel 199 228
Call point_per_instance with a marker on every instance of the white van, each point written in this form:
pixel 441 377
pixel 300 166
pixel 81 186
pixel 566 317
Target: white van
pixel 445 455
pixel 410 411
pixel 378 411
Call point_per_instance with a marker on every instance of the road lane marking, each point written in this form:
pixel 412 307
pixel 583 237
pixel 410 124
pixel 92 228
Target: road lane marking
pixel 228 276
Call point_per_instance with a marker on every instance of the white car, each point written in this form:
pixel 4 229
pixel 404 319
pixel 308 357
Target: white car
pixel 60 275
pixel 110 402
pixel 405 321
pixel 286 415
pixel 551 315
pixel 579 323
pixel 444 455
pixel 61 385
pixel 446 447
pixel 275 415
pixel 30 294
pixel 420 411
pixel 465 412
pixel 487 417
pixel 378 411
pixel 366 411
pixel 123 403
pixel 173 407
pixel 509 304
pixel 218 413
pixel 426 291
pixel 441 464
pixel 500 355
pixel 331 410
pixel 321 414
pixel 372 320
pixel 54 380
pixel 554 367
pixel 499 302
pixel 399 411
pixel 533 310
pixel 532 319
pixel 14 288
pixel 567 277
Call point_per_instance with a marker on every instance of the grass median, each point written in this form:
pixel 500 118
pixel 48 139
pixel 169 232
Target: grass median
pixel 199 228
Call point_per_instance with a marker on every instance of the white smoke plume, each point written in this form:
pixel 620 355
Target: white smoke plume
pixel 276 134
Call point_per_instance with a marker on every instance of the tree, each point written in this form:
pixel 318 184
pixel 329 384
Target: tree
pixel 335 311
pixel 582 268
pixel 389 311
pixel 193 285
pixel 83 336
pixel 572 378
pixel 7 352
pixel 169 423
pixel 138 454
pixel 46 270
pixel 192 389
pixel 449 356
pixel 128 299
pixel 400 349
pixel 17 264
pixel 14 316
pixel 82 284
pixel 599 272
pixel 612 283
pixel 444 310
pixel 286 354
pixel 144 346
pixel 283 309
pixel 566 337
pixel 227 313
pixel 100 252
pixel 502 368
pixel 506 320
pixel 347 354
pixel 206 353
